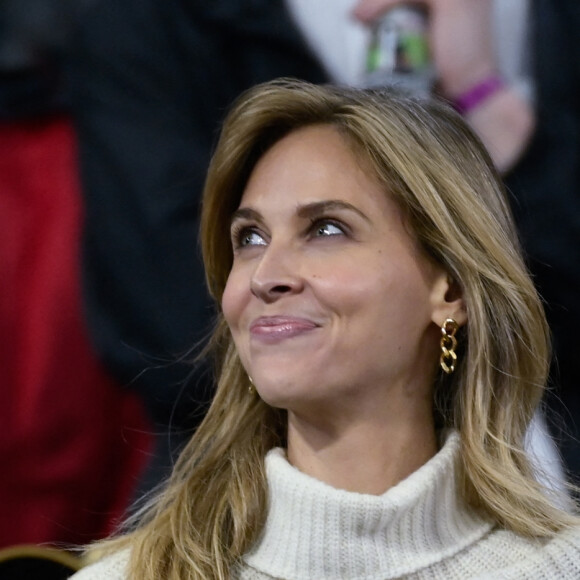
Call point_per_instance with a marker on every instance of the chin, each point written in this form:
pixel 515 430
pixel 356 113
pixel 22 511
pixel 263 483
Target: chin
pixel 278 395
pixel 293 397
pixel 279 392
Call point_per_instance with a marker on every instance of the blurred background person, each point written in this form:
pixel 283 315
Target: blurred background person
pixel 152 80
pixel 72 444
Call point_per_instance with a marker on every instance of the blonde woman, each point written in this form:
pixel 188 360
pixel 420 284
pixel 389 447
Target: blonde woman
pixel 380 352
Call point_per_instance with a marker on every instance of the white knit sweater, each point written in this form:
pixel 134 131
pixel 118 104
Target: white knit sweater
pixel 418 529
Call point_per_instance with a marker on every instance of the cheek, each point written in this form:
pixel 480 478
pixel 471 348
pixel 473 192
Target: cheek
pixel 386 296
pixel 350 296
pixel 232 301
pixel 340 277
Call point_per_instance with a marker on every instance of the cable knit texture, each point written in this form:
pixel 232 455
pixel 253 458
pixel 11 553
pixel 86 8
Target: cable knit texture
pixel 419 529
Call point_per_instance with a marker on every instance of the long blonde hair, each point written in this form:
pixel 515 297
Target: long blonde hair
pixel 214 506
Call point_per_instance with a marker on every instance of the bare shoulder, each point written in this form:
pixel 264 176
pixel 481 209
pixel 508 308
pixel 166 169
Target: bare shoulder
pixel 113 567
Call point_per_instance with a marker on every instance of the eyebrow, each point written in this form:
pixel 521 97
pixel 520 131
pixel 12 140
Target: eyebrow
pixel 308 211
pixel 320 208
pixel 246 213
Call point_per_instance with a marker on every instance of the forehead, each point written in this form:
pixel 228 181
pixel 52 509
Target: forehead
pixel 310 165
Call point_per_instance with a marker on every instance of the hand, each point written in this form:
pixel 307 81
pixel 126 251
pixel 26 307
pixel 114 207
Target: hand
pixel 460 37
pixel 461 42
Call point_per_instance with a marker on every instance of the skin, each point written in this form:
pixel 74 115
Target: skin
pixel 461 41
pixel 335 312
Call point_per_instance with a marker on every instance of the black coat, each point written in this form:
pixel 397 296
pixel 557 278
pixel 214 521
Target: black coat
pixel 152 80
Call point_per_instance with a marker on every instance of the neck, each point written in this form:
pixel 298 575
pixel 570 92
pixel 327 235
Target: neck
pixel 368 455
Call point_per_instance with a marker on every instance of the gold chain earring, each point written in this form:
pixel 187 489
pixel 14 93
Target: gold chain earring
pixel 448 346
pixel 251 388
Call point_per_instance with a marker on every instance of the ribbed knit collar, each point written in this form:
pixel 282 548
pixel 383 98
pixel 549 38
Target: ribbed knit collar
pixel 316 531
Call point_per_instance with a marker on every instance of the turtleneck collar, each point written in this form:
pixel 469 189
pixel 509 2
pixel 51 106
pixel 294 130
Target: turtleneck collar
pixel 316 531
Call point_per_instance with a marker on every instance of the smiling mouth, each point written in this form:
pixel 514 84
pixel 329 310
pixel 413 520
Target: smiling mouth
pixel 276 328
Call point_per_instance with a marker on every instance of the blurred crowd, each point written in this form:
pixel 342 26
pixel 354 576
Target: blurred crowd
pixel 109 110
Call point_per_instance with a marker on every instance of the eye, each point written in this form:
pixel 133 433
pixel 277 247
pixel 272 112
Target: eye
pixel 252 238
pixel 247 236
pixel 326 227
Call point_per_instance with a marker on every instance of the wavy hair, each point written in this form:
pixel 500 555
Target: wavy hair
pixel 422 152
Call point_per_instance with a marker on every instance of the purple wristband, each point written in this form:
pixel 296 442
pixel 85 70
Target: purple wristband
pixel 478 94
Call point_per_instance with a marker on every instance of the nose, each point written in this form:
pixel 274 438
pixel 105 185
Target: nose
pixel 277 274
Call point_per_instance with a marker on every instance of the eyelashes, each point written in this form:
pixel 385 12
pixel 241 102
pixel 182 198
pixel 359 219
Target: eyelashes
pixel 245 235
pixel 327 227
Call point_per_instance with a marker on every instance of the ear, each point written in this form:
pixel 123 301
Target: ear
pixel 447 300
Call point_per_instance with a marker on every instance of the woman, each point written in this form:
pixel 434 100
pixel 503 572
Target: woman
pixel 381 351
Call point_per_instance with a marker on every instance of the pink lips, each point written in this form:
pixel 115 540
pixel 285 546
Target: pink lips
pixel 276 328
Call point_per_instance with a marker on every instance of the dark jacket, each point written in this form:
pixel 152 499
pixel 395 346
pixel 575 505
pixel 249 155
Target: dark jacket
pixel 152 80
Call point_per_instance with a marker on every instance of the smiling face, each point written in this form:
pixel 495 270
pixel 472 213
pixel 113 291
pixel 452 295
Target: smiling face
pixel 329 296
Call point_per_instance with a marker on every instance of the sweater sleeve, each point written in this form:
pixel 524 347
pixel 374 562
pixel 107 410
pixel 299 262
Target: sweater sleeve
pixel 558 559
